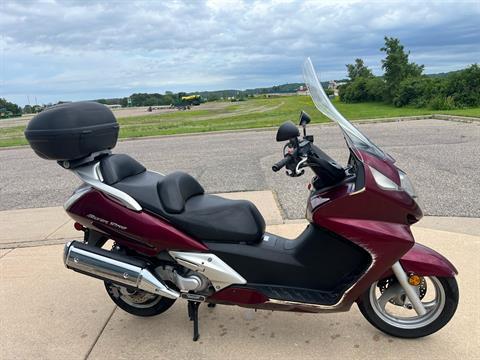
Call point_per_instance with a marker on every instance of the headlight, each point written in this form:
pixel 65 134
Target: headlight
pixel 383 181
pixel 387 184
pixel 406 184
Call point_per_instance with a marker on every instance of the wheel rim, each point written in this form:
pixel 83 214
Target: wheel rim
pixel 405 317
pixel 136 298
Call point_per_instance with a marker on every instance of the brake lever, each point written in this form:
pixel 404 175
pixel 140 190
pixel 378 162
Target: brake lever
pixel 297 168
pixel 297 171
pixel 292 174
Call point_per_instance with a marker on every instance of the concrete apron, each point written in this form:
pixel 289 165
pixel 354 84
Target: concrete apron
pixel 47 311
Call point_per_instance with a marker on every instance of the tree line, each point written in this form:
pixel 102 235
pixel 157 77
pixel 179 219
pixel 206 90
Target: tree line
pixel 146 99
pixel 404 84
pixel 170 98
pixel 8 109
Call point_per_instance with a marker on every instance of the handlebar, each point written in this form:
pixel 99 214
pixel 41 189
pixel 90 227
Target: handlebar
pixel 276 167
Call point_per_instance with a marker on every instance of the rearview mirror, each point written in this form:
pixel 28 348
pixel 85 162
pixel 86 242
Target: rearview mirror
pixel 288 130
pixel 304 118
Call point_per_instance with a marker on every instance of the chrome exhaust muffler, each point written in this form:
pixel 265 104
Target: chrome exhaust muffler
pixel 118 268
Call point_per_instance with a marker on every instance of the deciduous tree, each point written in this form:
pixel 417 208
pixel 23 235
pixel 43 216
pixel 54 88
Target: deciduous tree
pixel 358 70
pixel 396 65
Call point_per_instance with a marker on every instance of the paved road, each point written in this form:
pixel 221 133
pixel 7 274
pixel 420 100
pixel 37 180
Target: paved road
pixel 441 157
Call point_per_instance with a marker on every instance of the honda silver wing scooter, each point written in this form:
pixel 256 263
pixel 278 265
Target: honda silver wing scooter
pixel 173 241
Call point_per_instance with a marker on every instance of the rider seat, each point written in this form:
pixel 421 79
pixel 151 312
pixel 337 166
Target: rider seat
pixel 181 200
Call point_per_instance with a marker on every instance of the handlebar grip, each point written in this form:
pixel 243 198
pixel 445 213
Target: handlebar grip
pixel 280 164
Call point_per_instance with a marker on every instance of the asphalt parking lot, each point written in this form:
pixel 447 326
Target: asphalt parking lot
pixel 440 156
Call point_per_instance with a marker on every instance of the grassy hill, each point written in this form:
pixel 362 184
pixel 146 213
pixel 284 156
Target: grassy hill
pixel 259 113
pixel 254 113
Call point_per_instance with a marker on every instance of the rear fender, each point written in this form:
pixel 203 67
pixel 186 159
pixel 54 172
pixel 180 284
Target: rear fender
pixel 424 261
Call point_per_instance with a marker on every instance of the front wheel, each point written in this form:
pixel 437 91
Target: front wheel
pixel 386 306
pixel 138 302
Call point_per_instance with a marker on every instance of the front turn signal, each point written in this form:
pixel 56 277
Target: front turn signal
pixel 414 280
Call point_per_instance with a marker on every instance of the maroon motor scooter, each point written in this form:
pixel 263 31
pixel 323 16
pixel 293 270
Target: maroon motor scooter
pixel 171 240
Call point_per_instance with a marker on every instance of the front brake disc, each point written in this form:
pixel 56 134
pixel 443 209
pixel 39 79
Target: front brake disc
pixel 399 300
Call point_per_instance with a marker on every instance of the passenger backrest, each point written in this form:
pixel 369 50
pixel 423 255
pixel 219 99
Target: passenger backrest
pixel 117 167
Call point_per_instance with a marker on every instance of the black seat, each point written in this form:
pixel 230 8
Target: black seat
pixel 180 199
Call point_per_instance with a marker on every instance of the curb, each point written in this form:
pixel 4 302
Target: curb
pixel 465 119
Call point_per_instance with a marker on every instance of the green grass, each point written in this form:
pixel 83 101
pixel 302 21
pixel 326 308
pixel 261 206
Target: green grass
pixel 381 110
pixel 251 114
pixel 12 136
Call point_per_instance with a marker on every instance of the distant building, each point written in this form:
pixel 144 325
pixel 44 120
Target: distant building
pixel 334 85
pixel 303 90
pixel 115 106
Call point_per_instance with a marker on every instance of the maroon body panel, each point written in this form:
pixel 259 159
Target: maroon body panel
pixel 424 261
pixel 238 296
pixel 139 231
pixel 385 166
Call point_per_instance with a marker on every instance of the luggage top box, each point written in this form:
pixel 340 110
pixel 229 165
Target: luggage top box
pixel 72 131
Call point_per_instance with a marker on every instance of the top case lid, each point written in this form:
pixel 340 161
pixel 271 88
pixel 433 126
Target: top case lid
pixel 72 115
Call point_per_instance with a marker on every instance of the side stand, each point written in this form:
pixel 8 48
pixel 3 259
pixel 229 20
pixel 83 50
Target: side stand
pixel 193 316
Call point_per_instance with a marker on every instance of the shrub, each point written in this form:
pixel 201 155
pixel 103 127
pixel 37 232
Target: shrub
pixel 355 91
pixel 362 89
pixel 329 92
pixel 442 103
pixel 418 91
pixel 408 90
pixel 376 88
pixel 464 86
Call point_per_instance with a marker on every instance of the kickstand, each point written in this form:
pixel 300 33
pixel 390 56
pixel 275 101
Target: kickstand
pixel 193 316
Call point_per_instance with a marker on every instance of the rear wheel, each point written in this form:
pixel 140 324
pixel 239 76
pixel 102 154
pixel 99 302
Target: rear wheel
pixel 138 302
pixel 386 306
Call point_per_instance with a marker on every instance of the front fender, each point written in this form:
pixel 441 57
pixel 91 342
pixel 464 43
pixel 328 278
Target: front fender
pixel 424 261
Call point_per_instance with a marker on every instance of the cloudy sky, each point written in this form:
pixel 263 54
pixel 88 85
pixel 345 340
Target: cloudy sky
pixel 76 50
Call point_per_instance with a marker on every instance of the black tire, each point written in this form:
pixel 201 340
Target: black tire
pixel 451 301
pixel 154 306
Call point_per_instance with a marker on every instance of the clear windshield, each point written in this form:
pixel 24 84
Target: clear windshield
pixel 323 104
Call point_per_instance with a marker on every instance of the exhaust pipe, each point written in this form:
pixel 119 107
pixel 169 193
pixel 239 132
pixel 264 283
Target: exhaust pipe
pixel 120 269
